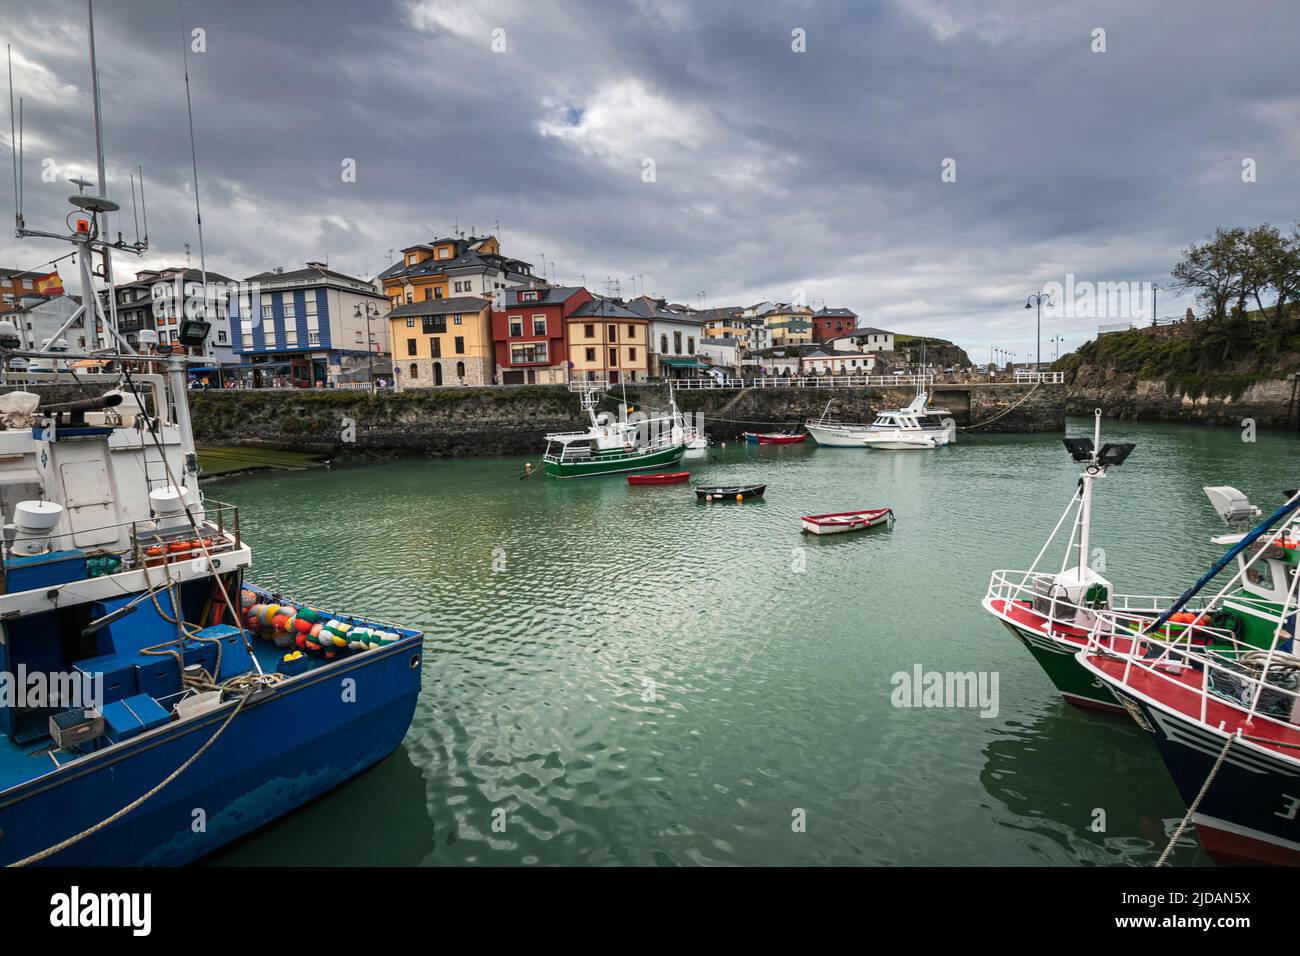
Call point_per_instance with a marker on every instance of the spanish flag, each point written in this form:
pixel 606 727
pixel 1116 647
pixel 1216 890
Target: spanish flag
pixel 49 284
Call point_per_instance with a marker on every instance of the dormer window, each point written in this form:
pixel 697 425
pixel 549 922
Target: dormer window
pixel 528 296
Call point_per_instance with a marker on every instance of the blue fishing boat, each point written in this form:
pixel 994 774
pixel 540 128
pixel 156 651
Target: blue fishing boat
pixel 154 706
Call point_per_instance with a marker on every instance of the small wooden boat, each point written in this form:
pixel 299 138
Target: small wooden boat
pixel 729 492
pixel 775 438
pixel 842 521
pixel 666 478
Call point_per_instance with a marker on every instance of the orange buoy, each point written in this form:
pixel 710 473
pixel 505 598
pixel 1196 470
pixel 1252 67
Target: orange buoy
pixel 740 497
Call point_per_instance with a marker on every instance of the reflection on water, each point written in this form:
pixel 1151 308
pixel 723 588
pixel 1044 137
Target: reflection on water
pixel 626 675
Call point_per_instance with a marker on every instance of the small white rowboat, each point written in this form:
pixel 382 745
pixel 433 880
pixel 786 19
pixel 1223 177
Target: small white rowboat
pixel 846 521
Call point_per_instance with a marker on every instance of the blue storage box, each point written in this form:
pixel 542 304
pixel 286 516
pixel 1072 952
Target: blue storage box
pixel 129 716
pixel 44 570
pixel 157 676
pixel 119 675
pixel 235 658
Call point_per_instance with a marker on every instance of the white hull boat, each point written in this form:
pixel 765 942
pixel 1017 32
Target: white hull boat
pixel 900 441
pixel 916 421
pixel 843 521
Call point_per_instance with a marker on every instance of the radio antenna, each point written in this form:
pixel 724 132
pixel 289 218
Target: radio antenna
pixel 194 162
pixel 13 140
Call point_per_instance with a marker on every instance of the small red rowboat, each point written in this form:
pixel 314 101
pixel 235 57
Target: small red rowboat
pixel 775 438
pixel 668 478
pixel 846 521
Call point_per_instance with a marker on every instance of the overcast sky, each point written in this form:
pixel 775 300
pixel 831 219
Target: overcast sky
pixel 773 170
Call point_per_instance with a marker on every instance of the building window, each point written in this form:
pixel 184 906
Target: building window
pixel 435 348
pixel 529 353
pixel 434 323
pixel 613 333
pixel 456 319
pixel 516 327
pixel 677 343
pixel 690 345
pixel 428 293
pixel 539 325
pixel 613 358
pixel 631 333
pixel 589 331
pixel 527 296
pixel 591 355
pixel 631 355
pixel 410 347
pixel 415 371
pixel 460 345
pixel 288 308
pixel 221 336
pixel 663 342
pixel 460 371
pixel 410 321
pixel 313 337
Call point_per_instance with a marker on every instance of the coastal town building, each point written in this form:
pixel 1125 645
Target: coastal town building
pixel 159 299
pixel 864 340
pixel 675 334
pixel 608 342
pixel 790 324
pixel 454 266
pixel 310 327
pixel 821 360
pixel 829 323
pixel 18 284
pixel 529 333
pixel 722 353
pixel 442 342
pixel 39 317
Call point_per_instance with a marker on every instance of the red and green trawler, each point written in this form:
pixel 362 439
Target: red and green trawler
pixel 1221 699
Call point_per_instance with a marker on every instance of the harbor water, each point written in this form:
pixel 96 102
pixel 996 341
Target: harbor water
pixel 625 675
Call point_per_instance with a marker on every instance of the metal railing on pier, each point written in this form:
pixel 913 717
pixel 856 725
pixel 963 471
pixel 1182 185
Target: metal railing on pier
pixel 809 381
pixel 1028 377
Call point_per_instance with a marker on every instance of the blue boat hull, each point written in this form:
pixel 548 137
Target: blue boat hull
pixel 311 734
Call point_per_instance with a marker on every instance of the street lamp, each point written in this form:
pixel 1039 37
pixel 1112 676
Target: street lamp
pixel 371 311
pixel 1038 297
pixel 1057 342
pixel 1154 287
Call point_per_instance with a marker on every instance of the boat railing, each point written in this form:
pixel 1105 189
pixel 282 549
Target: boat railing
pixel 146 545
pixel 1043 594
pixel 1233 673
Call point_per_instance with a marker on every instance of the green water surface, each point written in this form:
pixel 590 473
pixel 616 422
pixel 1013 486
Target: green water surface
pixel 622 675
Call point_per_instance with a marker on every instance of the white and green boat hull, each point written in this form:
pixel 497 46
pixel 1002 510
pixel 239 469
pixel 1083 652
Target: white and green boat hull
pixel 614 462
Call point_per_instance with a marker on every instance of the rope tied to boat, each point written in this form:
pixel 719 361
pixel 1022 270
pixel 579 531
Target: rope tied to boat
pixel 1199 797
pixel 248 683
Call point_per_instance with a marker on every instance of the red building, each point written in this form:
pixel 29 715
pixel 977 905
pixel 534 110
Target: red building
pixel 529 337
pixel 828 323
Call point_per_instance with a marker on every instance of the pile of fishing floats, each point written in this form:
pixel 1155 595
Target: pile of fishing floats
pixel 310 630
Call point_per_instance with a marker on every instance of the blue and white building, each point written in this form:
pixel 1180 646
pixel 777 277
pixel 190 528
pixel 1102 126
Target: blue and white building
pixel 310 327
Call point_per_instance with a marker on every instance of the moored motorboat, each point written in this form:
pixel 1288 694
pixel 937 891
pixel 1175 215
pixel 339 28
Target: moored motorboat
pixel 616 447
pixel 729 492
pixel 900 440
pixel 664 478
pixel 842 521
pixel 917 419
pixel 775 438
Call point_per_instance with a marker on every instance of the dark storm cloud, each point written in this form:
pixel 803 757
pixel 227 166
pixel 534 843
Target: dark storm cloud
pixel 774 170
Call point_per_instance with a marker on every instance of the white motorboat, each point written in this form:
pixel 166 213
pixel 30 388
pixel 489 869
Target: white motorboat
pixel 900 440
pixel 916 420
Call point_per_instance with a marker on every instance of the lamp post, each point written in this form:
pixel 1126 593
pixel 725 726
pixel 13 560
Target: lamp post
pixel 371 311
pixel 1154 287
pixel 1057 342
pixel 1038 298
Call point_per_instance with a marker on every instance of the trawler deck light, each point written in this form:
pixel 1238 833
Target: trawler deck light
pixel 1233 506
pixel 1115 453
pixel 1080 449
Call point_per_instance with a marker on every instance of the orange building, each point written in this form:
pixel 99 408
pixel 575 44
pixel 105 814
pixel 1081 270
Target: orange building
pixel 608 342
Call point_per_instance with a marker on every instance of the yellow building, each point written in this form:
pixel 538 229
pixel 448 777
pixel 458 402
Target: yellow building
pixel 451 267
pixel 790 324
pixel 608 342
pixel 442 342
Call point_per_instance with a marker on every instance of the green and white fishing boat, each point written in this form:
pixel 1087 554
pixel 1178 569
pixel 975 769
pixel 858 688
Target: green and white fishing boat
pixel 617 446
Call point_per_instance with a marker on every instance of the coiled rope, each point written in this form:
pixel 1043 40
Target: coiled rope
pixel 1197 802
